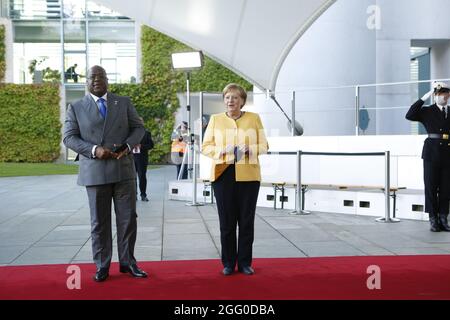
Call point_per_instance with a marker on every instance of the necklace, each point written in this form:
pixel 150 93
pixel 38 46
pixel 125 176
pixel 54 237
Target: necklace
pixel 240 115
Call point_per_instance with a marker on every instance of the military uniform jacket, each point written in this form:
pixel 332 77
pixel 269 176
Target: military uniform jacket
pixel 434 150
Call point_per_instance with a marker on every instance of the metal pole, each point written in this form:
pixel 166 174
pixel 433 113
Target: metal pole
pixel 194 181
pixel 188 108
pixel 63 78
pixel 183 165
pixel 293 114
pixel 299 203
pixel 387 185
pixel 299 182
pixel 188 97
pixel 61 37
pixel 200 101
pixel 194 202
pixel 192 151
pixel 86 35
pixel 357 107
pixel 387 190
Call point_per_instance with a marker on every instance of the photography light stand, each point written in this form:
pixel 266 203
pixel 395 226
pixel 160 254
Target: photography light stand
pixel 192 154
pixel 188 61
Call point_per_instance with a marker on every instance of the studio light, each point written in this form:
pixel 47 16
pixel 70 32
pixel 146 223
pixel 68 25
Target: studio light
pixel 187 60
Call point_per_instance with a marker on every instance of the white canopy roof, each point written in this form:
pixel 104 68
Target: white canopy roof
pixel 250 37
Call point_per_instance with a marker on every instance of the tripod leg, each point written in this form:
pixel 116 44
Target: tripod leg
pixel 183 165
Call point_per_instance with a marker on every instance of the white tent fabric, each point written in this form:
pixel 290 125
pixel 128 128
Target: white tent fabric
pixel 250 37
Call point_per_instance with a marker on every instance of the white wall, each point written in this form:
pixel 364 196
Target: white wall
pixel 440 60
pixel 340 50
pixel 406 163
pixel 333 52
pixel 406 171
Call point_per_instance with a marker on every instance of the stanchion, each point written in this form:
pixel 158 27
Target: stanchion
pixel 194 202
pixel 387 191
pixel 299 201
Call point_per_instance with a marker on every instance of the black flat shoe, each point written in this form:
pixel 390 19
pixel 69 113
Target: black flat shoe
pixel 101 275
pixel 434 224
pixel 227 271
pixel 444 227
pixel 247 270
pixel 443 224
pixel 435 228
pixel 145 199
pixel 134 271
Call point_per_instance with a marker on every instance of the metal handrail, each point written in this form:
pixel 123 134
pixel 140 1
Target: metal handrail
pixel 298 89
pixel 356 107
pixel 387 155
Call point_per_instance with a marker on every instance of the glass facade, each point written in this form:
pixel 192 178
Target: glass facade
pixel 87 34
pixel 51 9
pixel 58 40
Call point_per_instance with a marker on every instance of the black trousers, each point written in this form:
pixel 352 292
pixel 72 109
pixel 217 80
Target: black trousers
pixel 236 204
pixel 437 188
pixel 141 169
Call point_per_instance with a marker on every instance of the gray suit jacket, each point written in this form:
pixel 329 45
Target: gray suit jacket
pixel 84 127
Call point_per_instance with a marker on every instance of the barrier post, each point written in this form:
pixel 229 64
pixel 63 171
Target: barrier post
pixel 357 108
pixel 193 154
pixel 387 191
pixel 299 201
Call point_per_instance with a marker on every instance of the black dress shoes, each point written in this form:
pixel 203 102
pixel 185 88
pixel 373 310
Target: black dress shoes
pixel 145 199
pixel 134 271
pixel 101 275
pixel 227 271
pixel 247 270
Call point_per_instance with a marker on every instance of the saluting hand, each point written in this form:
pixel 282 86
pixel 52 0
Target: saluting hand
pixel 427 95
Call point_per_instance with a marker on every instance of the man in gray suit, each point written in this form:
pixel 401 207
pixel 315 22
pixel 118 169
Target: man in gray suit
pixel 96 127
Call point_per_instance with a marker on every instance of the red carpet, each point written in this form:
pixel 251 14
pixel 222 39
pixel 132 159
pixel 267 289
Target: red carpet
pixel 402 277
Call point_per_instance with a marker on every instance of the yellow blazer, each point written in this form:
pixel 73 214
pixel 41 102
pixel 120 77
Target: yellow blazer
pixel 223 131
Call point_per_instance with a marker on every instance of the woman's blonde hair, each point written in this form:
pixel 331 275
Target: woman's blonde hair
pixel 238 88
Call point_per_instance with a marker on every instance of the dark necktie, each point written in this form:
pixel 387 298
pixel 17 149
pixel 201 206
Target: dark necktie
pixel 102 109
pixel 444 112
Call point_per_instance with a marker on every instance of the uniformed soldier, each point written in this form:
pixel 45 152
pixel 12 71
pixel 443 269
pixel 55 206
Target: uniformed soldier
pixel 435 154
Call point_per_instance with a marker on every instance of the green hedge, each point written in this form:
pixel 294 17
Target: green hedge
pixel 156 98
pixel 30 127
pixel 29 114
pixel 2 53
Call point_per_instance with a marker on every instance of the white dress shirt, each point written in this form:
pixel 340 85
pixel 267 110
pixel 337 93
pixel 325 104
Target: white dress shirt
pixel 104 97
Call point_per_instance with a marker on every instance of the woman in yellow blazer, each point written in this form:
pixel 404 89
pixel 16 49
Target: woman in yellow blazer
pixel 234 139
